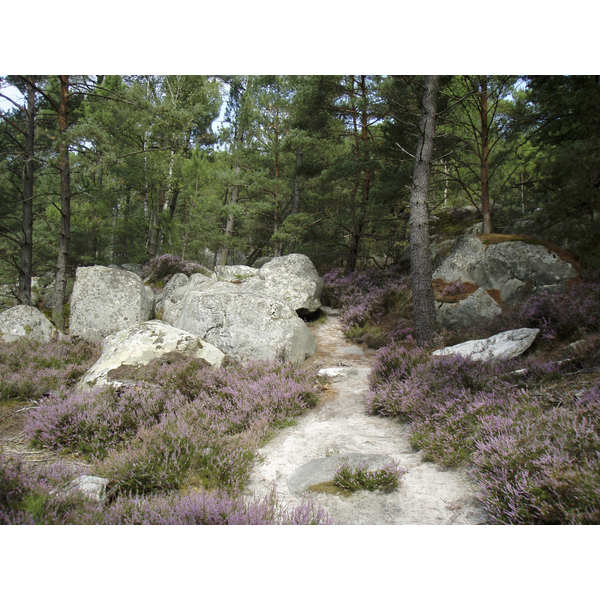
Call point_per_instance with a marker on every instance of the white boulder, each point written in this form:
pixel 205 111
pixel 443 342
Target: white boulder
pixel 142 343
pixel 106 300
pixel 26 322
pixel 245 325
pixel 501 346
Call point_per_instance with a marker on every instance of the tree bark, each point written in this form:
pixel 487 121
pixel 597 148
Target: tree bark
pixel 60 284
pixel 26 265
pixel 420 257
pixel 485 158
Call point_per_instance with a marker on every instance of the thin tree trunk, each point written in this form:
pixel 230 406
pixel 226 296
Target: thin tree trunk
pixel 485 154
pixel 223 252
pixel 420 257
pixel 60 285
pixel 24 293
pixel 295 209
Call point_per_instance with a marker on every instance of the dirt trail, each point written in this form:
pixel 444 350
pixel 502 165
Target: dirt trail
pixel 340 424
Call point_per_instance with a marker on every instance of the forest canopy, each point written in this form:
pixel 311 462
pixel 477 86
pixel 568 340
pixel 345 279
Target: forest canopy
pixel 228 169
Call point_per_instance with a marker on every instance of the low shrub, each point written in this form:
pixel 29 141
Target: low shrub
pixel 541 467
pixel 33 496
pixel 365 297
pixel 203 422
pixel 163 267
pixel 29 369
pixel 362 477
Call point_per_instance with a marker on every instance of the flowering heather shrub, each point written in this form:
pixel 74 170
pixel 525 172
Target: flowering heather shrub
pixel 95 421
pixel 30 369
pixel 200 420
pixel 208 508
pixel 162 267
pixel 541 467
pixel 365 297
pixel 575 310
pixel 27 494
pixel 359 477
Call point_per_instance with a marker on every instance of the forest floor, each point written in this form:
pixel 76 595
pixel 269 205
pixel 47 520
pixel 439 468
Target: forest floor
pixel 340 425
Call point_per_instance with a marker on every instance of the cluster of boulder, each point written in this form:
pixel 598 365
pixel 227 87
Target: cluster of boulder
pixel 248 313
pixel 239 312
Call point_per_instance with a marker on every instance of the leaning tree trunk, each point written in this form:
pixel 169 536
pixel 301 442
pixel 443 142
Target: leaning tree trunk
pixel 420 257
pixel 24 293
pixel 60 284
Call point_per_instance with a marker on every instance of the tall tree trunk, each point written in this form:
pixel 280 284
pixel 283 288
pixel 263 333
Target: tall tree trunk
pixel 485 155
pixel 223 252
pixel 295 208
pixel 60 285
pixel 361 141
pixel 24 293
pixel 420 257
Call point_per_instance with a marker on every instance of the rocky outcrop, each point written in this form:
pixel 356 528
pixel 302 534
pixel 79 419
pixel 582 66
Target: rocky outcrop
pixel 177 281
pixel 26 322
pixel 293 278
pixel 506 271
pixel 474 309
pixel 235 273
pixel 105 301
pixel 507 266
pixel 124 352
pixel 245 325
pixel 502 346
pixel 172 303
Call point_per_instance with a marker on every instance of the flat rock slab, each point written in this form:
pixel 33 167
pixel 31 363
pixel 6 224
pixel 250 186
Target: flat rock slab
pixel 338 373
pixel 352 350
pixel 502 346
pixel 322 470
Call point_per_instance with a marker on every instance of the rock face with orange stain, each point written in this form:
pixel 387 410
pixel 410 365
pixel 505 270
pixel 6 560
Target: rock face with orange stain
pixel 503 271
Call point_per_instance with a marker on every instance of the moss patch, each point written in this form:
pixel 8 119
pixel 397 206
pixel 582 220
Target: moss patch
pixel 328 487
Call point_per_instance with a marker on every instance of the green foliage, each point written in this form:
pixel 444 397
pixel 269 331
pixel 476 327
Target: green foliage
pixel 360 477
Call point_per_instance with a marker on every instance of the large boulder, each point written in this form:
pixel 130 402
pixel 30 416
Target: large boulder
pixel 501 346
pixel 475 309
pixel 139 345
pixel 235 273
pixel 293 278
pixel 171 307
pixel 510 267
pixel 245 325
pixel 178 280
pixel 25 322
pixel 105 301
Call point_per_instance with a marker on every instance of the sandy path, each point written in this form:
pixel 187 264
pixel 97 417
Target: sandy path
pixel 340 424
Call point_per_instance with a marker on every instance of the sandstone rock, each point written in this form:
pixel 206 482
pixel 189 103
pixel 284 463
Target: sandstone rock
pixel 506 266
pixel 138 345
pixel 259 262
pixel 177 281
pixel 172 304
pixel 507 344
pixel 134 268
pixel 461 264
pixel 90 486
pixel 476 308
pixel 245 325
pixel 235 273
pixel 105 301
pixel 293 278
pixel 26 322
